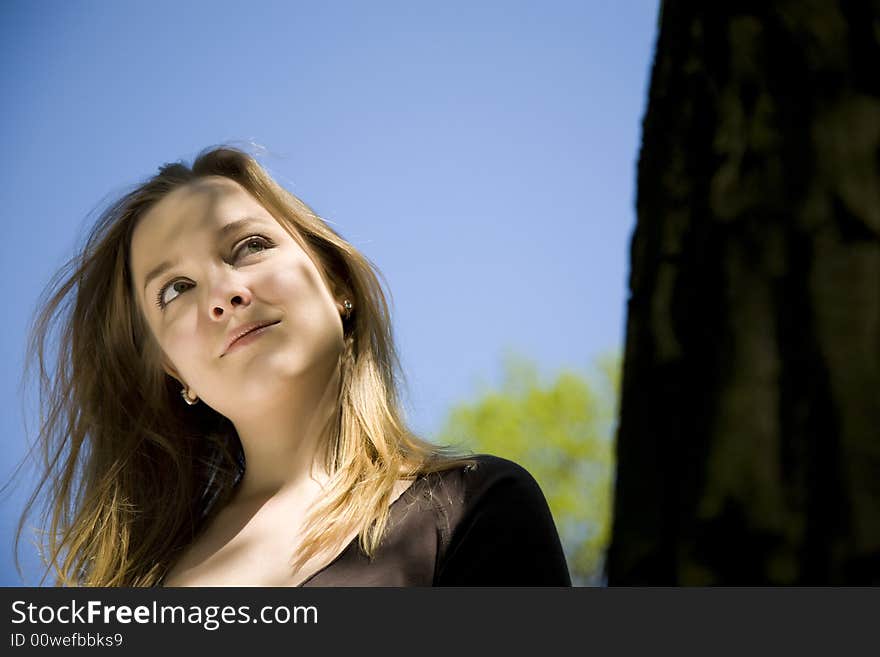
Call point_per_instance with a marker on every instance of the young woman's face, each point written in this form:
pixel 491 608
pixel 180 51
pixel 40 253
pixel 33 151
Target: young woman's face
pixel 207 262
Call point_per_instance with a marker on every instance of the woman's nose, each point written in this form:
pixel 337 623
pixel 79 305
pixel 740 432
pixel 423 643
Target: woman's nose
pixel 227 295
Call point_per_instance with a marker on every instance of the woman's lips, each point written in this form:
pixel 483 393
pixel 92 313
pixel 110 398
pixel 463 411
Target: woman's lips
pixel 249 337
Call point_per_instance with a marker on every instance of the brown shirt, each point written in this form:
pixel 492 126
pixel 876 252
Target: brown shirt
pixel 487 525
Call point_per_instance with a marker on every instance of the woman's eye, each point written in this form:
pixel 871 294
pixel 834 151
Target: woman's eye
pixel 165 298
pixel 254 244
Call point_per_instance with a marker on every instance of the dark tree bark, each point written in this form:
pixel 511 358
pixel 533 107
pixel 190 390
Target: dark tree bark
pixel 748 447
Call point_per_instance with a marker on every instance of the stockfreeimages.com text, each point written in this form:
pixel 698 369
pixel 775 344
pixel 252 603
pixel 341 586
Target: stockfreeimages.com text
pixel 210 617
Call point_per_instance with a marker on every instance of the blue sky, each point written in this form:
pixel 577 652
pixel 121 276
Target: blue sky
pixel 481 154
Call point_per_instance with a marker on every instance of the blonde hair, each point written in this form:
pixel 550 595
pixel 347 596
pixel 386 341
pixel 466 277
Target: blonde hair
pixel 130 473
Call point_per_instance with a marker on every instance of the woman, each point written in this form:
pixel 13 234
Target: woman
pixel 225 410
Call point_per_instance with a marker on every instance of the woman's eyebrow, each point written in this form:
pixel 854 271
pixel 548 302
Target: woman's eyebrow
pixel 220 235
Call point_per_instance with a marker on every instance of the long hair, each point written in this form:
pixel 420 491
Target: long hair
pixel 129 472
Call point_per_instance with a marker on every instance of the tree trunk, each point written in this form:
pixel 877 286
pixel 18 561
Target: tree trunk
pixel 748 447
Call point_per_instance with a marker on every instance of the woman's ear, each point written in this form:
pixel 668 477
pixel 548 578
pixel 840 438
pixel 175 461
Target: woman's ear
pixel 170 369
pixel 341 292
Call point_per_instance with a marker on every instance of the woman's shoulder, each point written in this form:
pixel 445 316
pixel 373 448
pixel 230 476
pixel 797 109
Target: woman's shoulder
pixel 485 473
pixel 488 482
pixel 496 527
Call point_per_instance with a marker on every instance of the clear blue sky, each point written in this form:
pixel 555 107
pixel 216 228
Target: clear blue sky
pixel 481 154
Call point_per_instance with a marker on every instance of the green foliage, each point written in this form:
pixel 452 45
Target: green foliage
pixel 562 433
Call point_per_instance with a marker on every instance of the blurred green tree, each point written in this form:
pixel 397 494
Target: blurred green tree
pixel 562 433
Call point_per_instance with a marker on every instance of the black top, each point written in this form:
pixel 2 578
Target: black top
pixel 483 525
pixel 487 525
